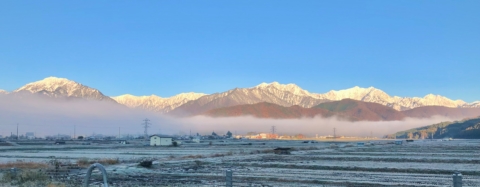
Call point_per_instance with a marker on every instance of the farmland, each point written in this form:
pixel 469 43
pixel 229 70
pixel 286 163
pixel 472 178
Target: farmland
pixel 421 163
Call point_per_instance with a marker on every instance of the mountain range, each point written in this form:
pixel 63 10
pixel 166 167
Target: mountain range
pixel 346 109
pixel 272 100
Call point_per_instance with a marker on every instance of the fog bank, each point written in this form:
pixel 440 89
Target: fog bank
pixel 48 116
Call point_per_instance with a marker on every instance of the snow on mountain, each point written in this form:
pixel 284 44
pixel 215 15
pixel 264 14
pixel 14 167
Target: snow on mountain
pixel 62 88
pixel 292 88
pixel 475 104
pixel 279 94
pixel 156 103
pixel 291 94
pixel 375 95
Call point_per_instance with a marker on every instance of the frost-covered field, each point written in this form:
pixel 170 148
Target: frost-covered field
pixel 421 163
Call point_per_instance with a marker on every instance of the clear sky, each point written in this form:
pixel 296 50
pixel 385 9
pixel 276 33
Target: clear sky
pixel 406 48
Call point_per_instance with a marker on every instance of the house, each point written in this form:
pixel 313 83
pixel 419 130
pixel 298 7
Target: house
pixel 196 139
pixel 160 140
pixel 123 142
pixel 282 151
pixel 30 135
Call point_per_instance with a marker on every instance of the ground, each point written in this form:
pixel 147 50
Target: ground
pixel 421 163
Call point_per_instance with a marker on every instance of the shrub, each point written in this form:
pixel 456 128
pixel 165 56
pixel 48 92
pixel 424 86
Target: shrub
pixel 85 162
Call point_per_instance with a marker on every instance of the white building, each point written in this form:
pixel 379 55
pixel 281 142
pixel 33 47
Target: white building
pixel 30 135
pixel 196 139
pixel 157 140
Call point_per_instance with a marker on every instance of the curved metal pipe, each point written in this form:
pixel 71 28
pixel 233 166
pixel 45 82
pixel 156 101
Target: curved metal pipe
pixel 89 173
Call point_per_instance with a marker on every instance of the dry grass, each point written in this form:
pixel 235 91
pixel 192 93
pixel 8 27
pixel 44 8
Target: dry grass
pixel 56 185
pixel 194 156
pixel 30 178
pixel 23 165
pixel 85 162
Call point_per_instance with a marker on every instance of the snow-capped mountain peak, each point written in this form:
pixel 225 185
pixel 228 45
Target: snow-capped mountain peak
pixel 156 103
pixel 293 88
pixel 49 84
pixel 61 87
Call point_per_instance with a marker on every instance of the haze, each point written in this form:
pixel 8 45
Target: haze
pixel 47 116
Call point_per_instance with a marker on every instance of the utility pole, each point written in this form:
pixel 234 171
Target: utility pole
pixel 74 132
pixel 273 130
pixel 334 134
pixel 146 124
pixel 17 131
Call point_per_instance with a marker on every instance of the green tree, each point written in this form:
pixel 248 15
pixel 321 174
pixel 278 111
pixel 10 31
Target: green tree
pixel 229 134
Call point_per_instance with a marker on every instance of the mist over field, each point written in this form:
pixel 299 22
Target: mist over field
pixel 49 116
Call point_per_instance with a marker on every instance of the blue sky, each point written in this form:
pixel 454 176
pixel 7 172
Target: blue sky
pixel 406 48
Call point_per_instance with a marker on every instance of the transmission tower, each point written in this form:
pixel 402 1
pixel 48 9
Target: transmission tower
pixel 273 130
pixel 146 124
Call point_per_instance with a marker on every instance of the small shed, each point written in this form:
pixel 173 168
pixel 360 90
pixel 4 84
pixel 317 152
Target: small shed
pixel 398 142
pixel 158 140
pixel 282 151
pixel 123 142
pixel 196 140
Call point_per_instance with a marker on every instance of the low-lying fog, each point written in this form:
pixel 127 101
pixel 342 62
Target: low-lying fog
pixel 46 116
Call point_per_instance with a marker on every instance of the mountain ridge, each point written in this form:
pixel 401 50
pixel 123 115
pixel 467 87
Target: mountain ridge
pixel 62 88
pixel 281 94
pixel 156 103
pixel 350 109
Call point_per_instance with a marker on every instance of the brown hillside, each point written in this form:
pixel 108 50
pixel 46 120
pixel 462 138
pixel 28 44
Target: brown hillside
pixel 347 109
pixel 243 96
pixel 268 110
pixel 362 111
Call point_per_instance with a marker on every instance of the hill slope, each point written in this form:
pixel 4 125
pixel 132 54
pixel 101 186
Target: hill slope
pixel 268 110
pixel 465 129
pixel 362 110
pixel 283 95
pixel 346 108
